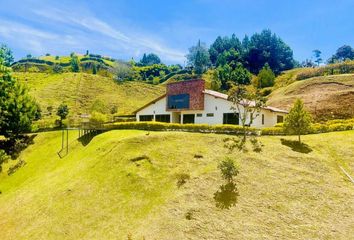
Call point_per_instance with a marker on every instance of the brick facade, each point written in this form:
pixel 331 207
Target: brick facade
pixel 195 90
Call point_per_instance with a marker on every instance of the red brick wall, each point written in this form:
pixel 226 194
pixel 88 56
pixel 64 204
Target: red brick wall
pixel 195 90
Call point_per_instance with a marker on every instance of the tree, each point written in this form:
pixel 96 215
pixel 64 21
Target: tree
pixel 223 45
pixel 298 121
pixel 343 53
pixel 199 58
pixel 240 75
pixel 75 63
pixel 94 69
pixel 17 108
pixel 150 59
pixel 265 77
pixel 6 55
pixel 317 54
pixel 122 71
pixel 57 68
pixel 228 169
pixel 62 112
pixel 247 103
pixel 268 48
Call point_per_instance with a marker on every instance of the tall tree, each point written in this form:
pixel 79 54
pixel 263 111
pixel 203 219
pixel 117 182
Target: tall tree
pixel 266 47
pixel 199 58
pixel 150 59
pixel 298 121
pixel 317 54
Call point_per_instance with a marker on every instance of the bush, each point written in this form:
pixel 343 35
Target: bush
pixel 97 119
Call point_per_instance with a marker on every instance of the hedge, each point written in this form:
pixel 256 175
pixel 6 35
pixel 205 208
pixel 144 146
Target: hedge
pixel 330 126
pixel 160 126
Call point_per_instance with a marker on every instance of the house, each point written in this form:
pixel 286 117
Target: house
pixel 189 102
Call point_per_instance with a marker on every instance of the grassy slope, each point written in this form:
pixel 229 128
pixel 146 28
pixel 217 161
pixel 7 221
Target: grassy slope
pixel 80 90
pixel 66 59
pixel 96 192
pixel 325 96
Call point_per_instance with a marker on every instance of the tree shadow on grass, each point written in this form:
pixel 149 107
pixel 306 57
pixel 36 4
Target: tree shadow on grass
pixel 14 146
pixel 226 196
pixel 296 146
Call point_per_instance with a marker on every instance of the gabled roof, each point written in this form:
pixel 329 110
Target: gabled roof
pixel 217 95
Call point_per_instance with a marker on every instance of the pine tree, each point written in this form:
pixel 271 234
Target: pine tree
pixel 298 121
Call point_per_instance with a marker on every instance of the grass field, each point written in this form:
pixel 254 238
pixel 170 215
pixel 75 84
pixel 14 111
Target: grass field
pixel 80 91
pixel 326 97
pixel 99 191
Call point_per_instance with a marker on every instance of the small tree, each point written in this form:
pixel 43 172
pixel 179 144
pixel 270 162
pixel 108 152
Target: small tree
pixel 94 69
pixel 317 54
pixel 247 103
pixel 75 63
pixel 62 112
pixel 228 169
pixel 298 121
pixel 265 77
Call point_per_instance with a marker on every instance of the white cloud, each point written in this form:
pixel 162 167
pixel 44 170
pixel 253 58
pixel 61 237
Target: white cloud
pixel 133 42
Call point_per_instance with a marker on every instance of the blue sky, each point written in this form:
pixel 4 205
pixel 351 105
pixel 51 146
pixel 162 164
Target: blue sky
pixel 127 28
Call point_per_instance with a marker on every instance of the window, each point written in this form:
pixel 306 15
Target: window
pixel 188 118
pixel 180 101
pixel 146 118
pixel 210 114
pixel 162 118
pixel 262 119
pixel 231 118
pixel 280 119
pixel 199 115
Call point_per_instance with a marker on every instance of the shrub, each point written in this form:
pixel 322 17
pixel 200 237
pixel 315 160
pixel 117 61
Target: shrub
pixel 97 119
pixel 228 169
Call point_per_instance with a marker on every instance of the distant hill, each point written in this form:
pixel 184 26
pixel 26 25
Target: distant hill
pixel 82 92
pixel 326 97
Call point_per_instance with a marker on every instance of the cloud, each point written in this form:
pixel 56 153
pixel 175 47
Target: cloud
pixel 133 42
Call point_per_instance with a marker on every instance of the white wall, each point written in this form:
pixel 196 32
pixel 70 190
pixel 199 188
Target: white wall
pixel 217 106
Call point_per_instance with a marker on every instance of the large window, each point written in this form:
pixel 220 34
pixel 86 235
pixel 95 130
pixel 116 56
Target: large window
pixel 180 101
pixel 188 118
pixel 162 118
pixel 280 119
pixel 146 118
pixel 231 118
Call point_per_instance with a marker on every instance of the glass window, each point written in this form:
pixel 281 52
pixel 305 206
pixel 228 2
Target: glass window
pixel 180 101
pixel 280 119
pixel 210 114
pixel 262 119
pixel 199 115
pixel 145 118
pixel 231 118
pixel 162 118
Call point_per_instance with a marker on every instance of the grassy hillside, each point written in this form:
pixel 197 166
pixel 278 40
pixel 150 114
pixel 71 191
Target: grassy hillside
pixel 99 191
pixel 326 97
pixel 82 91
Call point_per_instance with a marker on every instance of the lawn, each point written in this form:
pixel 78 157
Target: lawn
pixel 101 190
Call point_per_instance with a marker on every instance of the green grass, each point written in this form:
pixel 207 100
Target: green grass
pixel 97 192
pixel 80 91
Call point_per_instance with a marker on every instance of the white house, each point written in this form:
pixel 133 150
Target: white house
pixel 189 102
